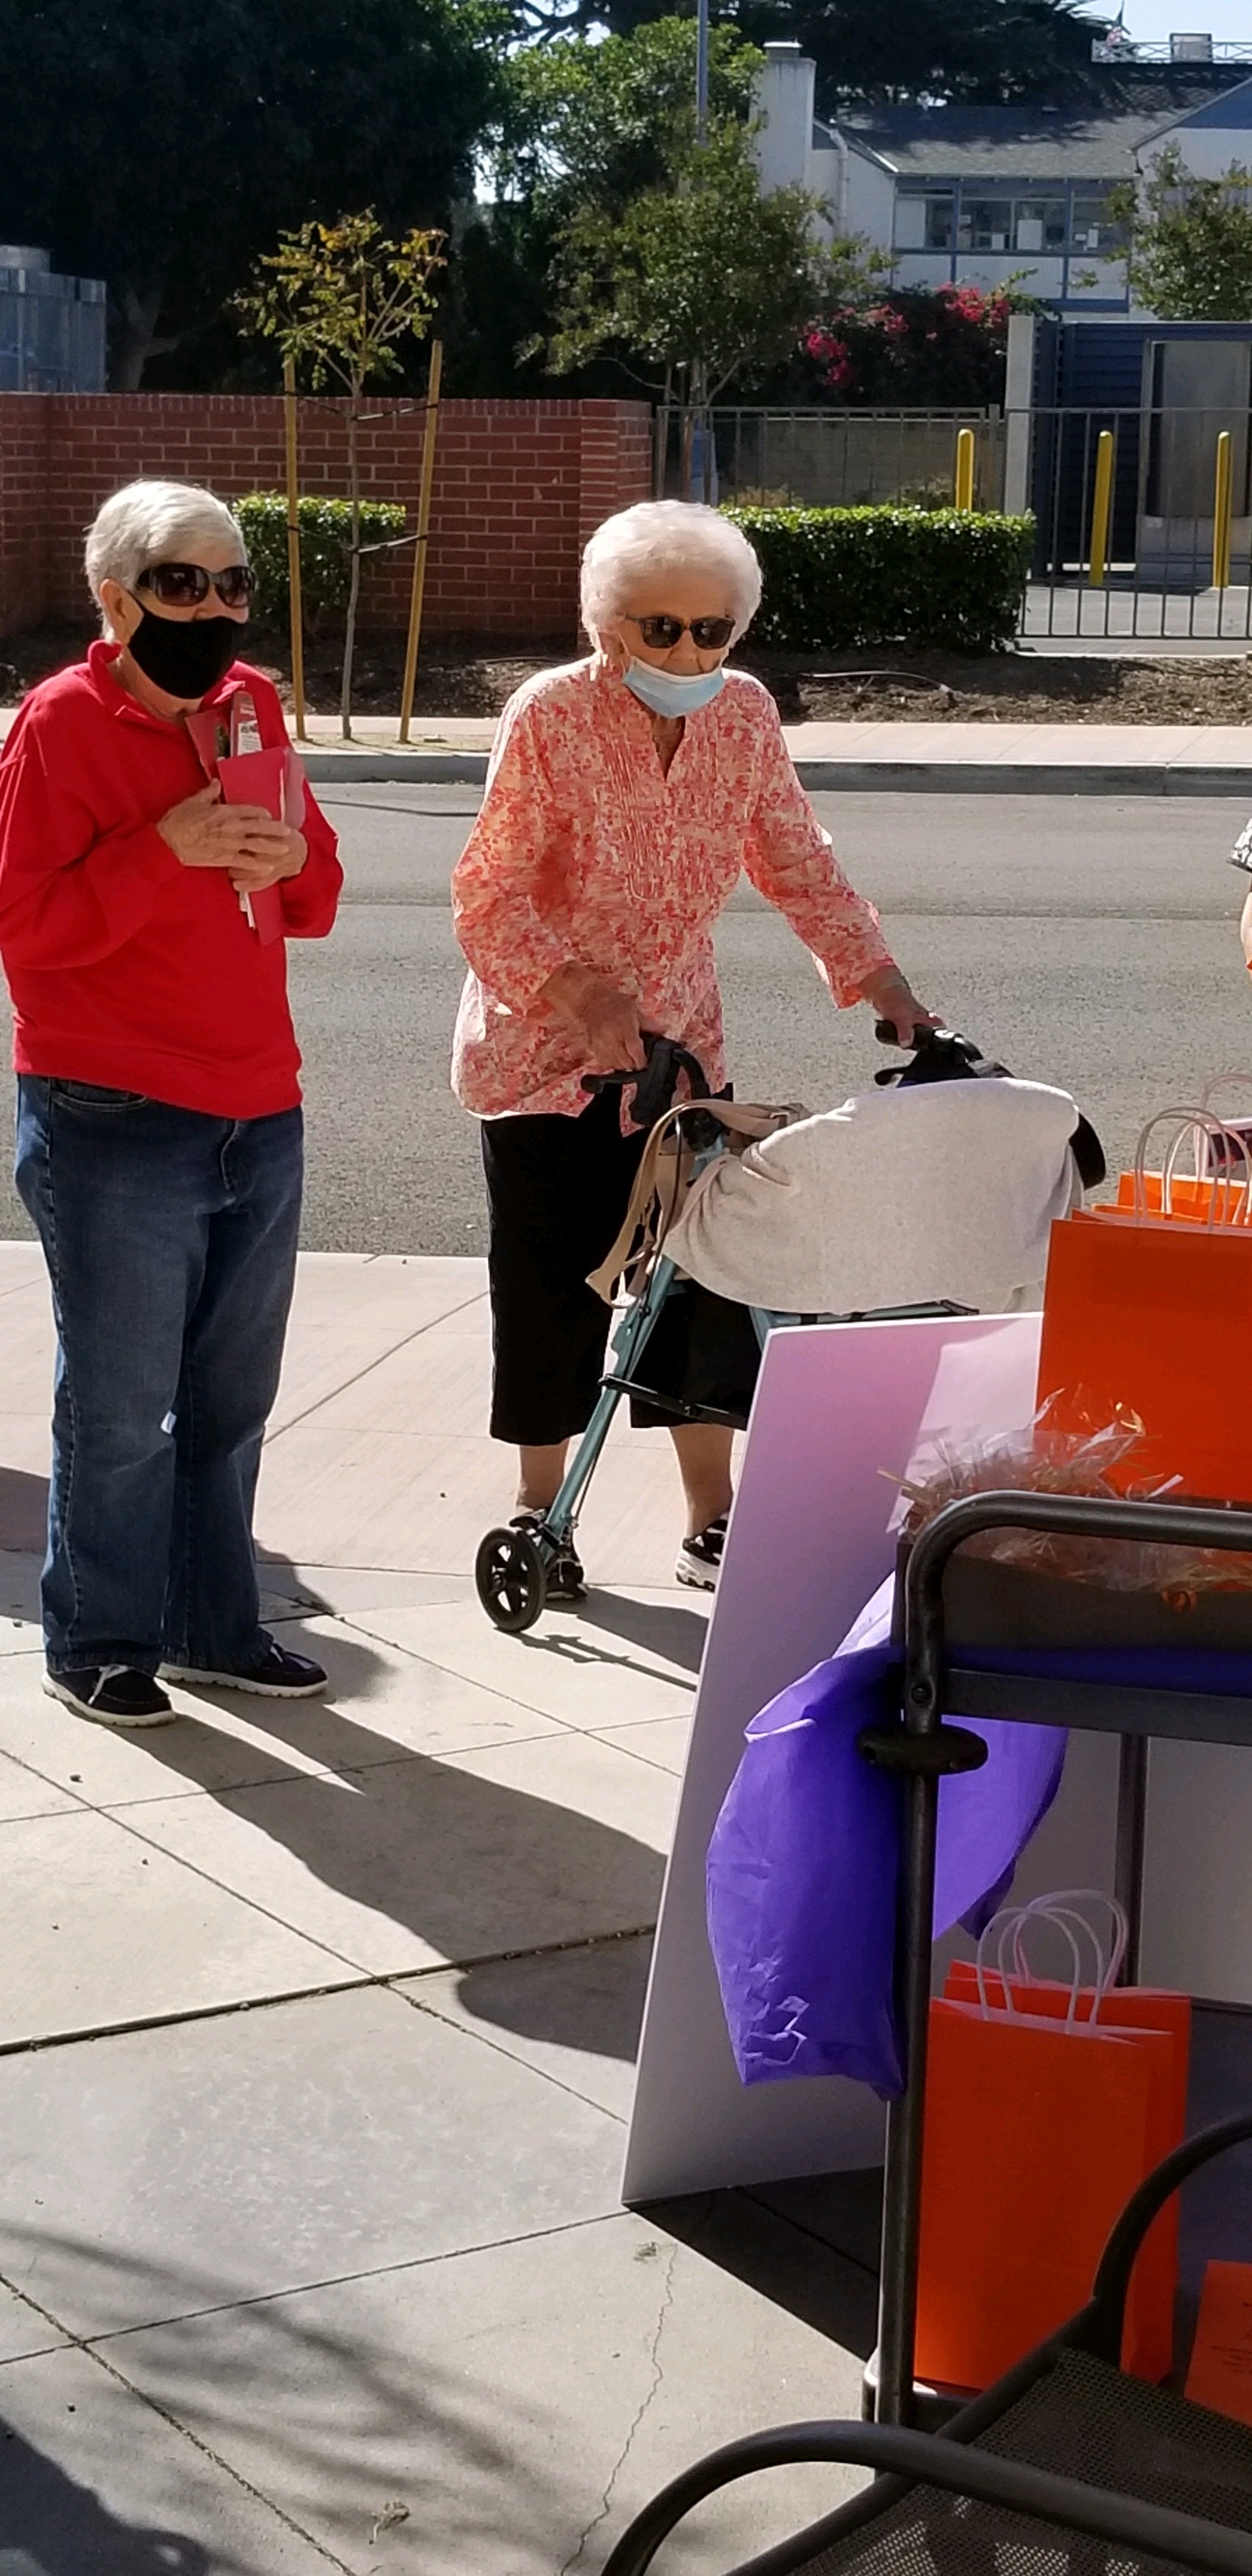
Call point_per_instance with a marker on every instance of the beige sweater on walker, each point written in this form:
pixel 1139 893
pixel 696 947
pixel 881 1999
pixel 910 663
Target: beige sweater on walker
pixel 940 1191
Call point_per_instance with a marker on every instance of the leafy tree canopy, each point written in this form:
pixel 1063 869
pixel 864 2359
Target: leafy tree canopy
pixel 980 51
pixel 1191 242
pixel 162 147
pixel 595 125
pixel 699 282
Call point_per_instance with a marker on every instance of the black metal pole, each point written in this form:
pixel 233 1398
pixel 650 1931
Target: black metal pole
pixel 902 2175
pixel 1132 1821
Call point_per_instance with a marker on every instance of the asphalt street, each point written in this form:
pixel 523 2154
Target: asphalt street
pixel 1089 942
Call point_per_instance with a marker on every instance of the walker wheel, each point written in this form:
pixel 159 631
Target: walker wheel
pixel 512 1579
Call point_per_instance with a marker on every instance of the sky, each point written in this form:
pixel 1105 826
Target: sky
pixel 1228 21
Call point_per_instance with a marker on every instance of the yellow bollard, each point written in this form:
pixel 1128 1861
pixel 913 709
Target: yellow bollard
pixel 964 469
pixel 1221 513
pixel 1101 510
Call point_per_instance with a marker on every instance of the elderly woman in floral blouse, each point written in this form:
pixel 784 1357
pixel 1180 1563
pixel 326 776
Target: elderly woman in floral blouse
pixel 625 794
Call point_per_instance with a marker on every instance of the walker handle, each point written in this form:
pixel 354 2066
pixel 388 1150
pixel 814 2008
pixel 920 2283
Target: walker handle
pixel 656 1081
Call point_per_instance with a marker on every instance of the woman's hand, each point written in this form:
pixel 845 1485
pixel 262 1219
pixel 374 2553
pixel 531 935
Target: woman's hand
pixel 605 1022
pixel 893 1000
pixel 205 833
pixel 272 851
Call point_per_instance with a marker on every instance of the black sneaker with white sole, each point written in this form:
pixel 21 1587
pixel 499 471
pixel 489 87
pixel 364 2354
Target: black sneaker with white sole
pixel 700 1558
pixel 112 1694
pixel 274 1672
pixel 566 1580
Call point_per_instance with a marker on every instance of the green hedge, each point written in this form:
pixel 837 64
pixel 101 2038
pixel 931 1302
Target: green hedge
pixel 840 578
pixel 325 544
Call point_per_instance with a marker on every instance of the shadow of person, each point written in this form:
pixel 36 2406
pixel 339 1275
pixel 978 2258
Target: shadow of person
pixel 23 1511
pixel 664 1627
pixel 438 1862
pixel 51 2526
pixel 323 2404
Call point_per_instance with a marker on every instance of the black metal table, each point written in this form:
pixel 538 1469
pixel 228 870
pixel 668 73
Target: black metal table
pixel 925 1748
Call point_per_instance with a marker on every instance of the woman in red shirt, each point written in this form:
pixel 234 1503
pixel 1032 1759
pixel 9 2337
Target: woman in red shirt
pixel 159 1144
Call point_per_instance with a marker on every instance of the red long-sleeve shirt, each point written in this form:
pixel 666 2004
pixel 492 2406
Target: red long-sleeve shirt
pixel 125 967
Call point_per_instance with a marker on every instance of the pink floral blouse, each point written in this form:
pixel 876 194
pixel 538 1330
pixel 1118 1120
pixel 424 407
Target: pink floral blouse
pixel 586 851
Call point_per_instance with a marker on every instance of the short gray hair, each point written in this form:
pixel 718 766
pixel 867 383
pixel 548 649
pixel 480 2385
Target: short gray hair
pixel 152 522
pixel 656 537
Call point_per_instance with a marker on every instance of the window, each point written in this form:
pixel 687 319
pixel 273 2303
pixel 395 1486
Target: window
pixel 985 223
pixel 939 221
pixel 1039 223
pixel 1095 229
pixel 924 220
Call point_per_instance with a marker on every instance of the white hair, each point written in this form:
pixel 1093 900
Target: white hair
pixel 150 522
pixel 655 538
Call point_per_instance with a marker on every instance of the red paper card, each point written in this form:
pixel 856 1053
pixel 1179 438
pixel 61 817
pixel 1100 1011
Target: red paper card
pixel 261 778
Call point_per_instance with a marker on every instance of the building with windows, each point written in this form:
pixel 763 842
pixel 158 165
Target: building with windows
pixel 989 196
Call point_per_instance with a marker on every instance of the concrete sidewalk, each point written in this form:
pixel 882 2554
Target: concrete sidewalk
pixel 317 2025
pixel 961 759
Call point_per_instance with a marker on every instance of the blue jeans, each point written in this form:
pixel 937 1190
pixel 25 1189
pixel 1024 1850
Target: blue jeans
pixel 170 1239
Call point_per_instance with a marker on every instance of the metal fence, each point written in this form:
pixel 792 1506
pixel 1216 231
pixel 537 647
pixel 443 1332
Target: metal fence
pixel 1143 523
pixel 1143 515
pixel 821 457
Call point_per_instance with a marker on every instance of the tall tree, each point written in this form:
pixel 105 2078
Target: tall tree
pixel 700 283
pixel 980 51
pixel 1191 242
pixel 163 147
pixel 593 125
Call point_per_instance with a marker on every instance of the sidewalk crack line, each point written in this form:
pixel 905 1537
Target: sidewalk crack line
pixel 655 2383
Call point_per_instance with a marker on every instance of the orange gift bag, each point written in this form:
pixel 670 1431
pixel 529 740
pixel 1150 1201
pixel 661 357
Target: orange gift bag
pixel 1145 1315
pixel 1148 2349
pixel 1037 2131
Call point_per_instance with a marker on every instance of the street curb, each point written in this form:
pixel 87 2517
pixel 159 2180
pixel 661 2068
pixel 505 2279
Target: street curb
pixel 834 777
pixel 420 768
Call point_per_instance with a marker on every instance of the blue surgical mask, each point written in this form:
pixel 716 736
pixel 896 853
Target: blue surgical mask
pixel 666 694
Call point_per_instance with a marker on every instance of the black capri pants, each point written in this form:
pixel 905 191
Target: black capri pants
pixel 558 1190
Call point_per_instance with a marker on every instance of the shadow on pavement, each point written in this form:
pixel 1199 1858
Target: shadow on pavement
pixel 810 2248
pixel 467 1864
pixel 23 1518
pixel 52 2526
pixel 665 1628
pixel 327 2402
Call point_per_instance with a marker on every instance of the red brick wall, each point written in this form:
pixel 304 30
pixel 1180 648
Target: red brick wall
pixel 23 507
pixel 518 488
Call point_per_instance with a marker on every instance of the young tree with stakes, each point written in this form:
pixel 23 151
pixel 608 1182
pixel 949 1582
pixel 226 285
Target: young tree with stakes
pixel 337 298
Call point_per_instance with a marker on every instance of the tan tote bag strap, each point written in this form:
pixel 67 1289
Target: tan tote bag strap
pixel 739 1119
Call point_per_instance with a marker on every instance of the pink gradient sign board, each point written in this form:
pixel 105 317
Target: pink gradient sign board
pixel 841 1411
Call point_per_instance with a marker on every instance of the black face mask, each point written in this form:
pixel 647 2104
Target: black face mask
pixel 185 656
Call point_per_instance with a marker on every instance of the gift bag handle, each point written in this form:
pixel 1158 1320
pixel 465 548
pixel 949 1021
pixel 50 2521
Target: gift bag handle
pixel 1061 1911
pixel 1218 1082
pixel 1062 1908
pixel 1231 1136
pixel 1192 1122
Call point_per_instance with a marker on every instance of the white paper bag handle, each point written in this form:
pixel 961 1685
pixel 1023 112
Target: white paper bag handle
pixel 1219 1081
pixel 1060 1909
pixel 1194 1123
pixel 1063 1908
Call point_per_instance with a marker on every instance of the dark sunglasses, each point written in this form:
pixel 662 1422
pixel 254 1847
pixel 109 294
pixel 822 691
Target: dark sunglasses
pixel 187 585
pixel 708 634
